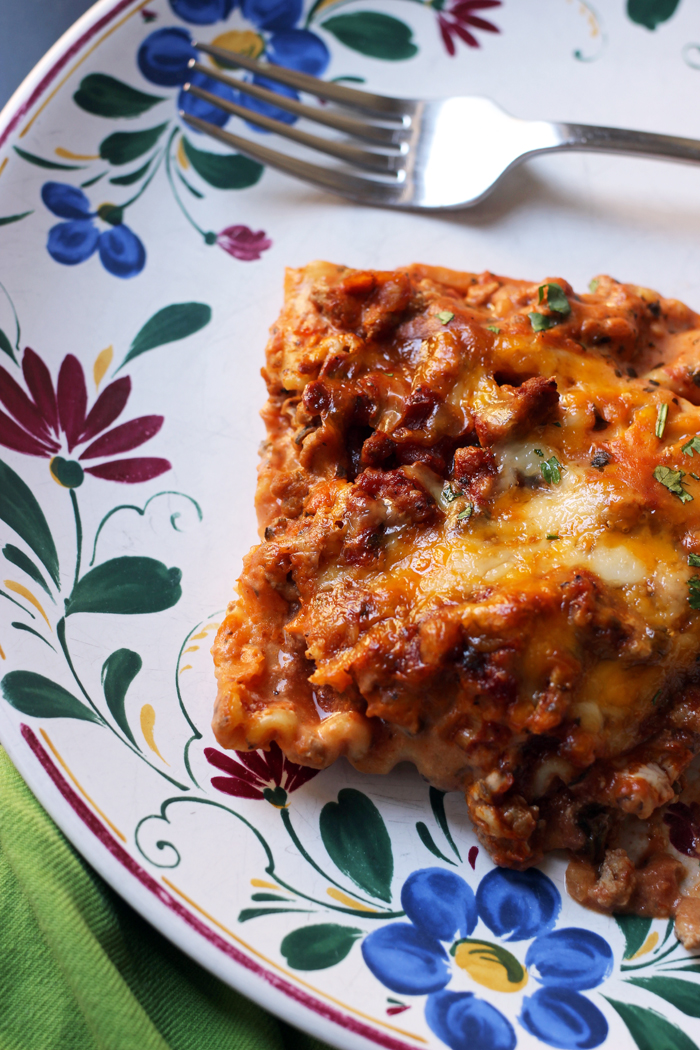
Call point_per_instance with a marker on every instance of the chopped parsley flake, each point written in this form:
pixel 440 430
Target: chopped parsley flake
pixel 694 560
pixel 552 536
pixel 541 322
pixel 449 494
pixel 593 285
pixel 465 514
pixel 655 697
pixel 661 420
pixel 694 588
pixel 557 303
pixel 695 476
pixel 445 316
pixel 551 470
pixel 691 446
pixel 390 374
pixel 671 479
pixel 493 328
pixel 539 452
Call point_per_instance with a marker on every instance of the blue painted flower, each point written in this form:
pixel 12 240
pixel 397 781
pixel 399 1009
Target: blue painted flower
pixel 164 55
pixel 418 958
pixel 77 238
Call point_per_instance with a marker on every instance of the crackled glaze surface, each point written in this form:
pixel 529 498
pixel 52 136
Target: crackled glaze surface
pixel 140 269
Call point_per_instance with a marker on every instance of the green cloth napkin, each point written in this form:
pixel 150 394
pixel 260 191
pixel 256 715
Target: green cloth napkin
pixel 80 970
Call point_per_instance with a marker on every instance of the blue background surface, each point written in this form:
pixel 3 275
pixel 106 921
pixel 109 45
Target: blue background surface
pixel 28 28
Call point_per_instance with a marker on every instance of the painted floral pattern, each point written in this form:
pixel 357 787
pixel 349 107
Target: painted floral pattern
pixel 48 420
pixel 419 957
pixel 258 774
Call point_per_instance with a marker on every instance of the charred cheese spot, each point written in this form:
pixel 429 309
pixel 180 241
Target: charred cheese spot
pixel 475 555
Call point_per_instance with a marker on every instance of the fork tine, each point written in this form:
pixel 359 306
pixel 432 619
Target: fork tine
pixel 386 163
pixel 358 187
pixel 332 119
pixel 364 100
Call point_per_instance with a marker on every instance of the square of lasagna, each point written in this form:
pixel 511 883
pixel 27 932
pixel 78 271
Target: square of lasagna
pixel 480 526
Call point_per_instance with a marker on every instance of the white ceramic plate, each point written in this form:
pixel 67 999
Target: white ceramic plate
pixel 143 265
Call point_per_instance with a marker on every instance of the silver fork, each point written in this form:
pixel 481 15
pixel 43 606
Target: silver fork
pixel 446 153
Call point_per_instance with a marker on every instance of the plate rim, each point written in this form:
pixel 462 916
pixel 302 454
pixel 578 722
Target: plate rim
pixel 276 994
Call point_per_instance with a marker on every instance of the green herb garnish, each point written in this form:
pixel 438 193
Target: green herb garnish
pixel 557 303
pixel 694 560
pixel 671 479
pixel 390 374
pixel 551 470
pixel 694 588
pixel 449 495
pixel 661 416
pixel 539 452
pixel 552 536
pixel 465 514
pixel 695 476
pixel 445 316
pixel 691 446
pixel 493 328
pixel 655 697
pixel 593 285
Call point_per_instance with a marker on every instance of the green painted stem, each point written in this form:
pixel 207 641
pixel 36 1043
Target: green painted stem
pixel 146 183
pixel 14 313
pixel 176 195
pixel 270 866
pixel 3 594
pixel 78 537
pixel 61 635
pixel 287 821
pixel 650 962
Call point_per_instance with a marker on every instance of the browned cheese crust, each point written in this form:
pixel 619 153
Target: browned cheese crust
pixel 468 563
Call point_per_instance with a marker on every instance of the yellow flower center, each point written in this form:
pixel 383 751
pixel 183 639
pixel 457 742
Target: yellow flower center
pixel 242 41
pixel 490 965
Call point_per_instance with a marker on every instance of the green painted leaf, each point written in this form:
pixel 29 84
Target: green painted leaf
pixel 270 897
pixel 20 510
pixel 7 219
pixel 20 559
pixel 118 672
pixel 223 171
pixel 635 931
pixel 358 843
pixel 106 96
pixel 650 1030
pixel 6 346
pixel 189 186
pixel 126 586
pixel 685 995
pixel 168 325
pixel 30 630
pixel 39 697
pixel 379 36
pixel 429 842
pixel 692 967
pixel 124 146
pixel 437 804
pixel 41 163
pixel 318 947
pixel 651 13
pixel 133 176
pixel 91 182
pixel 256 913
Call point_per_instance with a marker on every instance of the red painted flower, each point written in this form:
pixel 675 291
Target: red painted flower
pixel 458 21
pixel 48 421
pixel 243 243
pixel 258 774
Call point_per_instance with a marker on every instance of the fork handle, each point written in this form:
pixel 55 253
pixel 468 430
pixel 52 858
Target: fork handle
pixel 619 140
